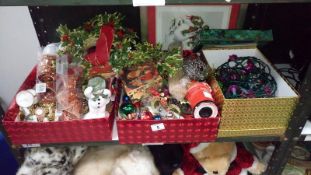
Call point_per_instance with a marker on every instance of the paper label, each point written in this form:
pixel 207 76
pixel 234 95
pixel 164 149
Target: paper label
pixel 40 88
pixel 148 3
pixel 157 127
pixel 30 145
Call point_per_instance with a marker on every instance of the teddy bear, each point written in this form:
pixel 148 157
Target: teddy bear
pixel 225 158
pixel 98 98
pixel 117 160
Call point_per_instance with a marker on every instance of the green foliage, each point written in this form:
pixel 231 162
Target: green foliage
pixel 75 42
pixel 168 62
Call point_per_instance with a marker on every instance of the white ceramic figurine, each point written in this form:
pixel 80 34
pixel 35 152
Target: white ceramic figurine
pixel 98 97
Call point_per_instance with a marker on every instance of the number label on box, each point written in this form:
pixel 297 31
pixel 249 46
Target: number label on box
pixel 148 3
pixel 157 127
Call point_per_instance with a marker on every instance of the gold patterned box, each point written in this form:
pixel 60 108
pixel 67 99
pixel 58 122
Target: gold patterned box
pixel 252 116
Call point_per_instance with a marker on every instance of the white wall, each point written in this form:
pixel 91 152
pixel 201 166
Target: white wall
pixel 19 46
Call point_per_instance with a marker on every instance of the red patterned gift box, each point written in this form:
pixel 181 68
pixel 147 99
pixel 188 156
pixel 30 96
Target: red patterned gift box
pixel 191 128
pixel 167 131
pixel 91 130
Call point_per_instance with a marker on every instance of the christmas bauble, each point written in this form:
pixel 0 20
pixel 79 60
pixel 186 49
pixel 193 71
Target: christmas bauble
pixel 157 117
pixel 127 108
pixel 146 115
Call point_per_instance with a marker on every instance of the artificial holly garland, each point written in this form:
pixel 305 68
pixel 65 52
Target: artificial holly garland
pixel 168 62
pixel 77 42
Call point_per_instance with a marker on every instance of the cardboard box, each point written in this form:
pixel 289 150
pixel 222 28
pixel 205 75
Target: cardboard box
pixel 252 116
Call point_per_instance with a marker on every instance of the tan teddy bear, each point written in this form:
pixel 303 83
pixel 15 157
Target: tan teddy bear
pixel 219 159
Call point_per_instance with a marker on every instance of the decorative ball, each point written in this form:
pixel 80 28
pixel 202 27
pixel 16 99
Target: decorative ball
pixel 157 117
pixel 126 109
pixel 195 69
pixel 126 99
pixel 146 115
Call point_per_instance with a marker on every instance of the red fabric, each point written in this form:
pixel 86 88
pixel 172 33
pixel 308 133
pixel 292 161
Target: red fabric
pixel 108 31
pixel 100 57
pixel 243 160
pixel 234 170
pixel 190 164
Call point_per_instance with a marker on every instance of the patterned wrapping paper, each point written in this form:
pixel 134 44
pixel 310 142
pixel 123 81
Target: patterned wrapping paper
pixel 176 131
pixel 137 80
pixel 253 132
pixel 222 37
pixel 253 116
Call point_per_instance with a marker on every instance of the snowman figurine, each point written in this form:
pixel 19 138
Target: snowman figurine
pixel 25 99
pixel 98 97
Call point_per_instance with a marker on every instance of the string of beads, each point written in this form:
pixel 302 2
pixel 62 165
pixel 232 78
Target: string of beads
pixel 246 77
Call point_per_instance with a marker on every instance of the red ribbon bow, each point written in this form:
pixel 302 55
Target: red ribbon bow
pixel 99 58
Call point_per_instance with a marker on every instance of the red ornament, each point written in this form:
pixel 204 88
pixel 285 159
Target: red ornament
pixel 233 57
pixel 88 26
pixel 119 46
pixel 137 105
pixel 250 65
pixel 187 53
pixel 146 115
pixel 120 33
pixel 65 38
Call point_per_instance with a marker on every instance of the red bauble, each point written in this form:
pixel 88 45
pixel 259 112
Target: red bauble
pixel 120 33
pixel 64 38
pixel 146 115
